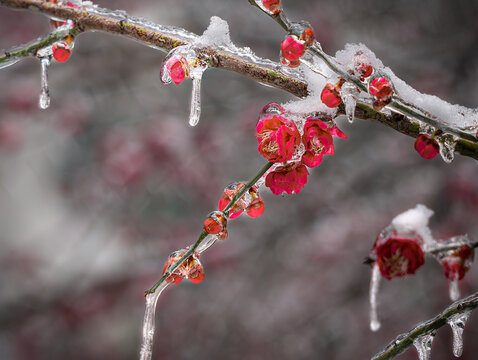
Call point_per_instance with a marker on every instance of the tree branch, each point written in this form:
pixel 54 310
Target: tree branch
pixel 404 341
pixel 167 38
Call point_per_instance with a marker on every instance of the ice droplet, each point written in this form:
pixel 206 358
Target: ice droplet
pixel 148 323
pixel 374 285
pixel 44 101
pixel 457 323
pixel 447 147
pixel 348 95
pixel 454 290
pixel 269 9
pixel 423 344
pixel 195 102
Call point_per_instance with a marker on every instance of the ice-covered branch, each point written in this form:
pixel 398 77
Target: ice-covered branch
pixel 450 314
pixel 406 119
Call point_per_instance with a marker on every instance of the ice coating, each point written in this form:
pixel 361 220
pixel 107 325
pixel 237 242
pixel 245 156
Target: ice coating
pixel 195 112
pixel 415 220
pixel 374 286
pixel 149 323
pixel 423 344
pixel 446 113
pixel 44 101
pixel 447 145
pixel 457 323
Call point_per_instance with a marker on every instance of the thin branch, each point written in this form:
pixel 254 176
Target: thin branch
pixel 264 71
pixel 404 341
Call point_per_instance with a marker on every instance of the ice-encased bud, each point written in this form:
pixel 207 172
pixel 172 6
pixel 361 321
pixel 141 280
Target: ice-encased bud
pixel 349 93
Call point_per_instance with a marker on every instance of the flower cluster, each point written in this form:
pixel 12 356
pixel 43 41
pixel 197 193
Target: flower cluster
pixel 398 254
pixel 191 268
pixel 279 139
pixel 293 47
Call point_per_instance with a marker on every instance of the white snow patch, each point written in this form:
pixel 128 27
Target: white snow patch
pixel 415 220
pixel 217 33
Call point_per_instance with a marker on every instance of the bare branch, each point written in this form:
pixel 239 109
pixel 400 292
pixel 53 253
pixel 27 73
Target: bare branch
pixel 404 341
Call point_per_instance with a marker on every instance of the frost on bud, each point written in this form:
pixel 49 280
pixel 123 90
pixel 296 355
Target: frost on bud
pixel 215 223
pixel 229 192
pixel 380 88
pixel 291 51
pixel 426 146
pixel 330 95
pixel 61 51
pixel 272 7
pixel 176 69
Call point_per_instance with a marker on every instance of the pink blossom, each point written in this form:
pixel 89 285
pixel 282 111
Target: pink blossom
pixel 318 141
pixel 277 138
pixel 290 178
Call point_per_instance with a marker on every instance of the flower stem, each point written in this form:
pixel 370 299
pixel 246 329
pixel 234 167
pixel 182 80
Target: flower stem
pixel 204 235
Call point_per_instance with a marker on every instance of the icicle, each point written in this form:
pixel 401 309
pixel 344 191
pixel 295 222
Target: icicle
pixel 423 344
pixel 44 101
pixel 454 290
pixel 457 323
pixel 447 147
pixel 148 323
pixel 374 285
pixel 348 94
pixel 195 112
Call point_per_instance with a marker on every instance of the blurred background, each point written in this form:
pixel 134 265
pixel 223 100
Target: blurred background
pixel 97 190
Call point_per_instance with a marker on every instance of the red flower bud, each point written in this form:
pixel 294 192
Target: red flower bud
pixel 272 5
pixel 457 262
pixel 426 146
pixel 291 48
pixel 381 88
pixel 178 69
pixel 256 208
pixel 330 95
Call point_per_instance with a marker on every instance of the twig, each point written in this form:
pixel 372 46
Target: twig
pixel 404 341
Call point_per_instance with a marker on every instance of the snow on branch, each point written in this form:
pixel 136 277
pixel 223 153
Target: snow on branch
pixel 404 119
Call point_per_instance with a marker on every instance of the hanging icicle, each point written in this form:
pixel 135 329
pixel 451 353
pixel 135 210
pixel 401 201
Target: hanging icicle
pixel 457 323
pixel 44 101
pixel 149 322
pixel 374 286
pixel 423 344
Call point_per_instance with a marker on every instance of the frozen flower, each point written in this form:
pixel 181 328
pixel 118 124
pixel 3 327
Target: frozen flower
pixel 330 95
pixel 190 268
pixel 318 141
pixel 216 224
pixel 289 178
pixel 457 262
pixel 398 256
pixel 277 138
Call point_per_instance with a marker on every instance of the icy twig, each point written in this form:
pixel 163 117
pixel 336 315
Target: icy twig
pixel 203 237
pixel 404 341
